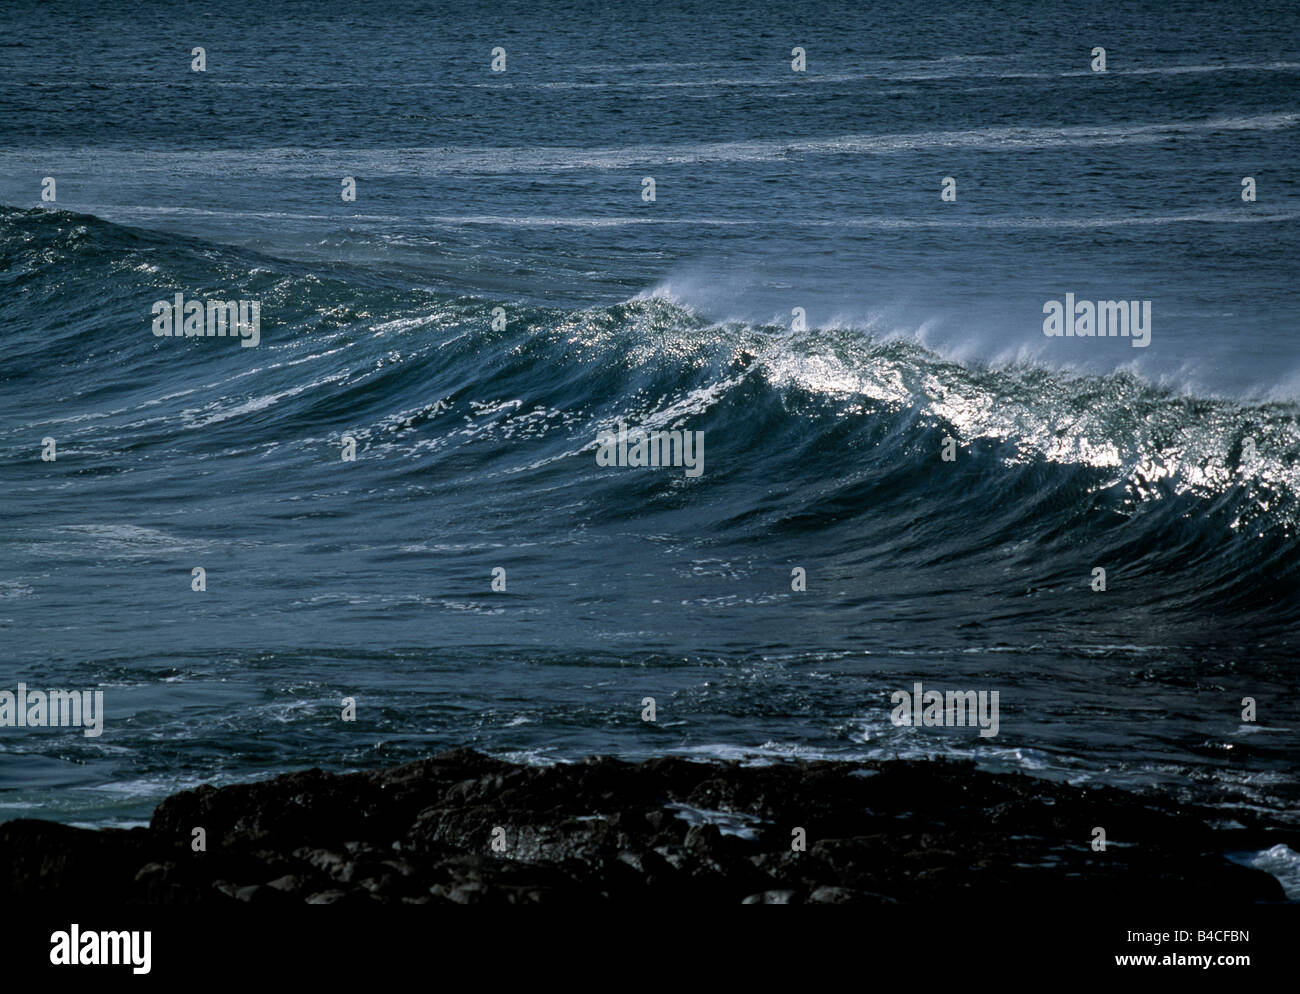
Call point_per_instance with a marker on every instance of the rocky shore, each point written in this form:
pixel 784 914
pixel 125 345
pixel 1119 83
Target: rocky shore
pixel 461 827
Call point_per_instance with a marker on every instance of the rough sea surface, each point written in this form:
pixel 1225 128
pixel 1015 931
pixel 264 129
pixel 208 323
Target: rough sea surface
pixel 1173 467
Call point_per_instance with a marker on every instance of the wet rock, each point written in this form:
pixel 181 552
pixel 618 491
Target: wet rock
pixel 667 832
pixel 327 897
pixel 771 897
pixel 290 883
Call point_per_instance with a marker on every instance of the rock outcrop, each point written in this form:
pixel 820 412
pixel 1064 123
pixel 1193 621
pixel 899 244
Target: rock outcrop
pixel 466 828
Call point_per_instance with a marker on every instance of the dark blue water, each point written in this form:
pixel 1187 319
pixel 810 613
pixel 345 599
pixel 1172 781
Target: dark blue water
pixel 1174 467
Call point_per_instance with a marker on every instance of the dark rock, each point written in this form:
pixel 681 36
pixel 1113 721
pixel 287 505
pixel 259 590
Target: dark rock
pixel 290 883
pixel 666 831
pixel 771 897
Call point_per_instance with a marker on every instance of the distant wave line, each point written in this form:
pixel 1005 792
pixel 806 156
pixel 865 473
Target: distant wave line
pixel 433 160
pixel 1227 215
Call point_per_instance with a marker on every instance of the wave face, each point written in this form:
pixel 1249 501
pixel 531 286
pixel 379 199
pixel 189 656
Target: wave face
pixel 1173 467
pixel 823 445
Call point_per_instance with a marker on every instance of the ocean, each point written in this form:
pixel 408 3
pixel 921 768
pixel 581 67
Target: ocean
pixel 502 290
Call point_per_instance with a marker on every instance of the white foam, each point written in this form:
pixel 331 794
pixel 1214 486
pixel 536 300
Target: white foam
pixel 1283 863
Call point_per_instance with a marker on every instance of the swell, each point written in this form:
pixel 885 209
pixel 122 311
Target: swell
pixel 828 437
